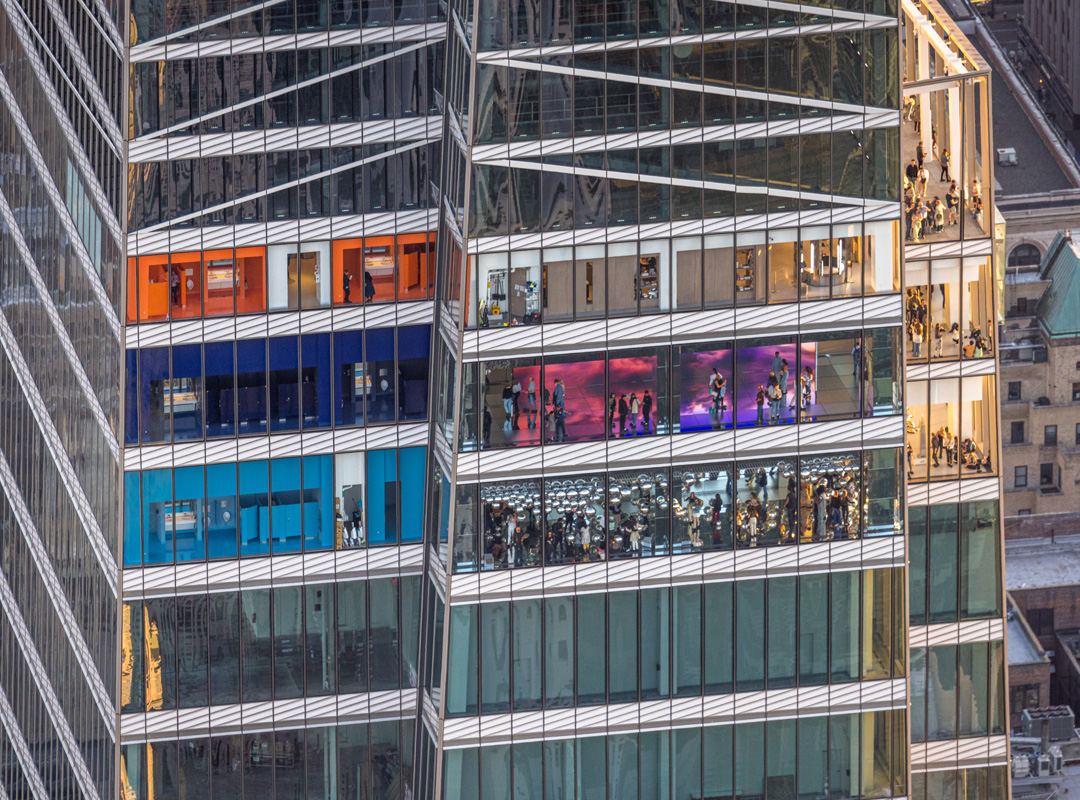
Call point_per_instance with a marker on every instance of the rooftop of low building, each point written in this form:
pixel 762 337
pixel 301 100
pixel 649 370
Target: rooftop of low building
pixel 1033 563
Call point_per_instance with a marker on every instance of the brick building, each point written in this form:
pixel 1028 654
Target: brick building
pixel 1040 377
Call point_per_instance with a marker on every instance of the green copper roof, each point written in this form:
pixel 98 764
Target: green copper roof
pixel 1059 309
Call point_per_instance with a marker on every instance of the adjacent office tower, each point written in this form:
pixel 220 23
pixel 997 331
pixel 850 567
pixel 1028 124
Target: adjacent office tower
pixel 411 400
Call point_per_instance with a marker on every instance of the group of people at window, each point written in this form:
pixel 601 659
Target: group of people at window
pixel 927 217
pixel 929 335
pixel 713 507
pixel 643 392
pixel 951 428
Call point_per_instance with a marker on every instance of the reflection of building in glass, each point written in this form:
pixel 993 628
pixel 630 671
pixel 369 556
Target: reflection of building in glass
pixel 217 262
pixel 1041 387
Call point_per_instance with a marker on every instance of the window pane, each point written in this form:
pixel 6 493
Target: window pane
pixel 157 495
pixel 844 626
pixel 189 517
pixel 781 748
pixel 718 761
pixel 622 644
pixel 257 638
pixel 385 635
pixel 221 510
pixel 251 385
pixel 382 496
pixel 559 652
pixel 153 408
pixel 878 636
pixel 494 657
pixel 813 630
pixel 980 543
pixel 527 658
pixel 319 646
pixel 749 636
pixel 686 647
pixel 288 638
pixel 254 508
pixel 843 766
pixel 160 653
pixel 917 576
pixel 942 574
pixel 719 638
pixel 318 503
pixel 132 520
pixel 622 764
pixel 781 636
pixel 351 383
pixel 413 353
pixel 592 649
pixel 224 648
pixel 687 762
pixel 192 670
pixel 941 692
pixel 286 505
pixel 655 638
pixel 284 375
pixel 382 377
pixel 315 380
pixel 813 756
pixel 558 770
pixel 750 759
pixel 352 636
pixel 185 392
pixel 220 392
pixel 411 466
pixel 973 673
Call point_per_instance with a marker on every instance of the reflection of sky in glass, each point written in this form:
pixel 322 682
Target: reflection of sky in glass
pixel 695 370
pixel 584 401
pixel 754 366
pixel 633 376
pixel 524 434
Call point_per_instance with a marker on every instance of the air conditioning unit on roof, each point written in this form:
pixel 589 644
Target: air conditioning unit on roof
pixel 1006 156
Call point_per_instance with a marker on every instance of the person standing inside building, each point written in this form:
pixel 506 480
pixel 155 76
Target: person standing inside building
pixel 646 413
pixel 760 400
pixel 530 401
pixel 558 397
pixel 624 412
pixel 369 287
pixel 612 405
pixel 508 405
pixel 952 203
pixel 718 390
pixel 911 171
pixel 635 409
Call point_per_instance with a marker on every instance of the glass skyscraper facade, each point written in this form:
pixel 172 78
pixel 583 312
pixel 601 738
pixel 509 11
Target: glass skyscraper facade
pixel 535 400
